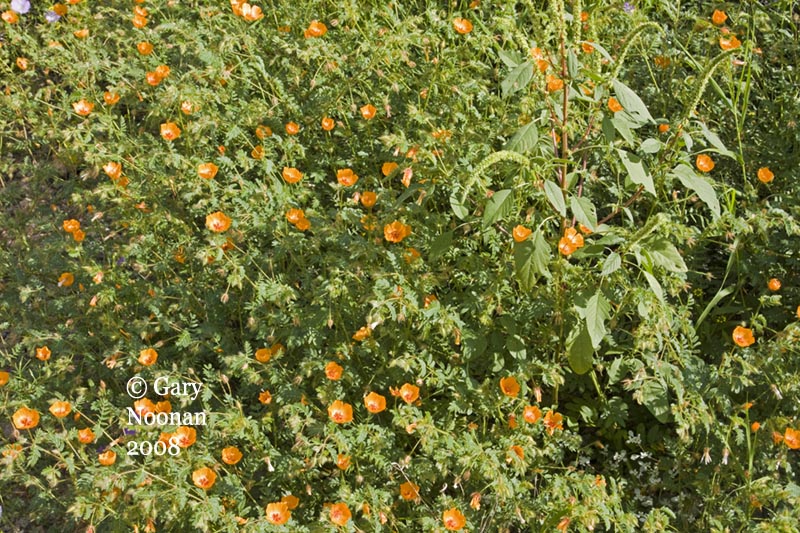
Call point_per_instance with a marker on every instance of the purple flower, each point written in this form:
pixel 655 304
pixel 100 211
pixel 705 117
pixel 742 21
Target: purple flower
pixel 51 16
pixel 628 7
pixel 20 6
pixel 120 261
pixel 129 431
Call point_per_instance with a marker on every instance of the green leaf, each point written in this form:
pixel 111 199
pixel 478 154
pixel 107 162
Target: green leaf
pixel 440 245
pixel 581 352
pixel 499 205
pixel 516 346
pixel 700 185
pixel 654 397
pixel 651 146
pixel 510 59
pixel 524 139
pixel 636 170
pixel 623 126
pixel 597 312
pixel 663 253
pixel 531 258
pixel 608 129
pixel 716 142
pixel 611 264
pixel 458 206
pixel 556 197
pixel 632 104
pixel 654 285
pixel 616 370
pixel 584 212
pixel 517 79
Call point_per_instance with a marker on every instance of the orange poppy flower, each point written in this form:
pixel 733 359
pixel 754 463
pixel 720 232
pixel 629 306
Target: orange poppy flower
pixel 729 43
pixel 521 233
pixel 339 514
pixel 719 17
pixel 25 418
pixel 113 170
pixel 144 406
pixel 374 402
pixel 587 47
pixel 368 111
pixel 110 98
pixel 518 451
pixel 22 63
pixel 328 123
pixel 388 167
pixel 346 177
pixel 66 279
pixel 144 48
pixel 743 337
pixel 204 478
pixel 292 128
pixel 148 357
pixel 755 426
pixel 292 175
pixel 218 222
pixel 141 11
pixel 170 131
pixel 704 163
pixel 79 236
pixel 86 436
pixel 409 491
pixel 185 436
pixel 278 513
pixel 162 71
pixel 139 21
pixel 107 458
pixel 563 524
pixel 409 393
pixel 531 414
pixel 453 519
pixel 4 376
pixel 71 225
pixel 60 409
pixel 368 198
pixel 265 397
pixel 82 107
pixel 303 224
pixel 291 501
pixel 541 62
pixel 396 231
pixel 340 412
pixel 553 421
pixel 663 128
pixel 315 29
pixel 510 386
pixel 152 78
pixel 342 461
pixel 333 371
pixel 263 355
pixel 262 132
pixel 163 407
pixel 231 455
pixel 798 312
pixel 187 107
pixel 791 438
pixel 10 17
pixel 774 284
pixel 570 242
pixel 765 175
pixel 207 170
pixel 554 83
pixel 251 13
pixel 512 421
pixel 614 105
pixel 43 353
pixel 462 26
pixel 295 215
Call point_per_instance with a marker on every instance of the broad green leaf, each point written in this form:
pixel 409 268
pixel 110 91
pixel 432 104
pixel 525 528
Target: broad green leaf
pixel 716 142
pixel 611 264
pixel 510 59
pixel 581 352
pixel 654 397
pixel 616 370
pixel 516 346
pixel 531 258
pixel 597 312
pixel 556 197
pixel 632 104
pixel 663 253
pixel 636 170
pixel 713 303
pixel 623 126
pixel 651 146
pixel 584 212
pixel 654 285
pixel 517 79
pixel 573 65
pixel 700 185
pixel 608 129
pixel 458 206
pixel 524 139
pixel 499 205
pixel 440 244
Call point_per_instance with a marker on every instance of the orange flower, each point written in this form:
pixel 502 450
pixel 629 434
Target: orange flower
pixel 187 107
pixel 71 225
pixel 148 357
pixel 453 519
pixel 521 233
pixel 163 407
pixel 292 175
pixel 60 409
pixel 262 132
pixel 342 461
pixel 554 83
pixel 719 17
pixel 614 105
pixel 510 386
pixel 791 438
pixel 113 170
pixel 663 128
pixel 295 215
pixel 141 11
pixel 518 451
pixel 368 198
pixel 729 43
pixel 207 170
pixel 475 501
pixel 512 421
pixel 570 242
pixel 152 78
pixel 82 107
pixel 362 333
pixel 86 436
pixel 303 224
pixel 22 63
pixel 553 421
pixel 538 55
pixel 409 393
pixel 368 111
pixel 231 455
pixel 251 13
pixel 333 371
pixel 204 478
pixel 340 412
pixel 704 163
pixel 409 491
pixel 774 284
pixel 144 48
pixel 263 355
pixel 346 177
pixel 43 353
pixel 531 414
pixel 587 47
pixel 66 279
pixel 10 17
pixel 339 514
pixel 407 173
pixel 374 402
pixel 218 222
pixel 743 337
pixel 765 175
pixel 396 231
pixel 257 152
pixel 4 376
pixel 110 98
pixel 292 128
pixel 162 71
pixel 185 436
pixel 291 501
pixel 315 29
pixel 798 312
pixel 265 397
pixel 144 406
pixel 388 167
pixel 328 123
pixel 79 236
pixel 278 513
pixel 107 458
pixel 755 426
pixel 139 21
pixel 462 26
pixel 25 418
pixel 170 131
pixel 563 524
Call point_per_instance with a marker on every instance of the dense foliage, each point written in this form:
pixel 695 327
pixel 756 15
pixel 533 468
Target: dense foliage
pixel 423 266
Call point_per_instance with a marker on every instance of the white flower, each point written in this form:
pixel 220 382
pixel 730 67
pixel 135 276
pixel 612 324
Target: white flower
pixel 706 456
